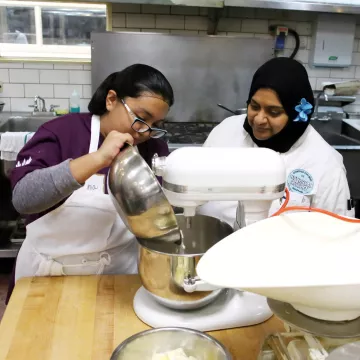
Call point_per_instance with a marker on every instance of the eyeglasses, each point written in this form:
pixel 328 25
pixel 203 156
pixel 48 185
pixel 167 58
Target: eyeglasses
pixel 142 127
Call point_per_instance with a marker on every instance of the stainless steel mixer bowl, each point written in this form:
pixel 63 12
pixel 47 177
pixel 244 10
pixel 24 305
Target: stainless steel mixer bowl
pixel 163 267
pixel 139 198
pixel 144 345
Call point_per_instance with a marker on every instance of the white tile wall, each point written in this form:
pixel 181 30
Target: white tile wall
pixel 357 74
pixel 229 24
pixel 13 90
pixel 4 75
pixel 20 104
pixel 184 32
pixel 86 91
pixel 184 10
pixel 357 35
pixel 119 21
pixel 175 22
pixel 64 91
pixel 7 101
pixel 318 72
pixel 289 23
pixel 196 23
pixel 244 13
pixel 43 90
pixel 11 65
pixel 126 8
pixel 126 29
pixel 304 28
pixel 54 76
pixel 56 81
pixel 60 103
pixel 144 21
pixel 80 77
pixel 84 105
pixel 356 45
pixel 255 26
pixel 155 9
pixel 356 59
pixel 22 76
pixel 38 66
pixel 263 36
pixel 69 67
pixel 347 73
pixel 156 31
pixel 312 82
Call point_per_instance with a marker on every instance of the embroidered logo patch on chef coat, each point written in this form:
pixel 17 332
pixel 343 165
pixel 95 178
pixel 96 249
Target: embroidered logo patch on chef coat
pixel 25 162
pixel 300 181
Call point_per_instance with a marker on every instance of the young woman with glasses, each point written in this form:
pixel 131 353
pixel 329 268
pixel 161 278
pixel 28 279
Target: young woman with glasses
pixel 59 182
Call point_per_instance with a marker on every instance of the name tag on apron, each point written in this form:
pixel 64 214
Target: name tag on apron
pixel 96 183
pixel 302 188
pixel 295 200
pixel 300 200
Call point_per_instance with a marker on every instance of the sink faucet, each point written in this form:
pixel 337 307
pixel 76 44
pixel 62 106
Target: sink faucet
pixel 37 98
pixel 37 107
pixel 316 110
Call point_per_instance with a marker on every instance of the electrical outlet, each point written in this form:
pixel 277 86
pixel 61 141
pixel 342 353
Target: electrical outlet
pixel 1 87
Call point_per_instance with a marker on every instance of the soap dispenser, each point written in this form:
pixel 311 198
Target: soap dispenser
pixel 75 102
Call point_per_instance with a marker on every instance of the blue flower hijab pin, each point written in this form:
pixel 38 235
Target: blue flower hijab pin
pixel 304 109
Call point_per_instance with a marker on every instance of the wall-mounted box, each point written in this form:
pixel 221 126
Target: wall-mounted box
pixel 333 40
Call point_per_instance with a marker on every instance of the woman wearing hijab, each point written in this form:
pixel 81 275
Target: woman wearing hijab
pixel 280 105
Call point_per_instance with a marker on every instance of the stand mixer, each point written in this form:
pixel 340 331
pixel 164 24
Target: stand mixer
pixel 192 177
pixel 320 308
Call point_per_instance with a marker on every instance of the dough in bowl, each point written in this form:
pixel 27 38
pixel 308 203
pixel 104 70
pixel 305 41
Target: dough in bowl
pixel 177 354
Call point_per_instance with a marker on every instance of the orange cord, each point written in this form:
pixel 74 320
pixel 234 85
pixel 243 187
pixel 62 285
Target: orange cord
pixel 283 206
pixel 284 209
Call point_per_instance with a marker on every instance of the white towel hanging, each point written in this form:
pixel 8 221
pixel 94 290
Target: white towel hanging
pixel 12 142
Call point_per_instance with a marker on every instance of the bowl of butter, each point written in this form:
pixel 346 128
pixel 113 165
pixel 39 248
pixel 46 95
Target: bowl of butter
pixel 171 343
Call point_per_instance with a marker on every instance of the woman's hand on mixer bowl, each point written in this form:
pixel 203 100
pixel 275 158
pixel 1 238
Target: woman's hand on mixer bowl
pixel 112 146
pixel 85 166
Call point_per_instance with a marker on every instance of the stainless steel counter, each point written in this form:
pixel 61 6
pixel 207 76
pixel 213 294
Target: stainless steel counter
pixel 5 115
pixel 345 7
pixel 354 122
pixel 9 250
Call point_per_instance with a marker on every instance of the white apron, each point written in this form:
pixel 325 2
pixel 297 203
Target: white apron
pixel 83 236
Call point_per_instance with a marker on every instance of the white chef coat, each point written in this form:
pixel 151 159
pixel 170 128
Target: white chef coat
pixel 315 172
pixel 83 236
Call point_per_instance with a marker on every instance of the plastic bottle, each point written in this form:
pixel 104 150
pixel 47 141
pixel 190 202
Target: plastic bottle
pixel 75 102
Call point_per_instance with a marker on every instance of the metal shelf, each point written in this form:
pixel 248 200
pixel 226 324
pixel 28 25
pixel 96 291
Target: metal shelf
pixel 9 250
pixel 339 6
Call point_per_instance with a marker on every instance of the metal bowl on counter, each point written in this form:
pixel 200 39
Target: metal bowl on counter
pixel 146 344
pixel 165 267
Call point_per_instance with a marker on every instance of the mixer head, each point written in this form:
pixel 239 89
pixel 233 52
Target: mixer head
pixel 193 176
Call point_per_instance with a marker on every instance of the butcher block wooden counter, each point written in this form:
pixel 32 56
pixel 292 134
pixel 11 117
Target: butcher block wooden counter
pixel 86 317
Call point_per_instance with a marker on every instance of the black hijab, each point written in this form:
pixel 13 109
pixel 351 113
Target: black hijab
pixel 289 79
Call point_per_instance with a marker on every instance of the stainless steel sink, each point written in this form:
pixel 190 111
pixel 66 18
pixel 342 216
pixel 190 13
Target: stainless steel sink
pixel 337 133
pixel 19 123
pixel 337 140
